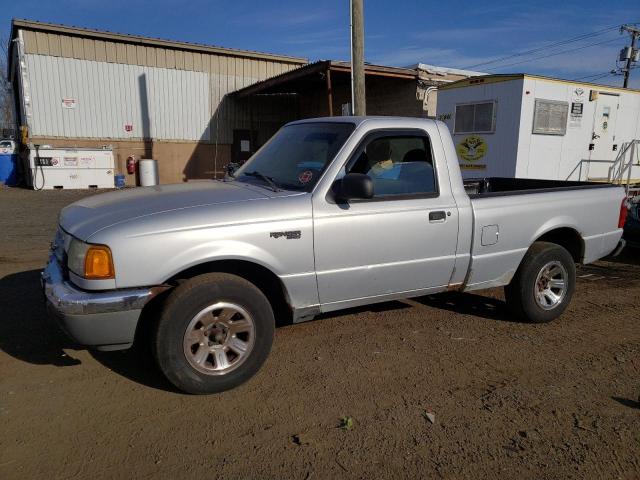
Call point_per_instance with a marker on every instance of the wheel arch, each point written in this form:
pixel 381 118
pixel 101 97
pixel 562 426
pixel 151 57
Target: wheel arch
pixel 262 277
pixel 568 238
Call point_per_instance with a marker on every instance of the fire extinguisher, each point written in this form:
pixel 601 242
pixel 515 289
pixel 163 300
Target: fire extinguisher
pixel 131 164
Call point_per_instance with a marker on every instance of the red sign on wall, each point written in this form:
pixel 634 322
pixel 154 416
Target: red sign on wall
pixel 128 127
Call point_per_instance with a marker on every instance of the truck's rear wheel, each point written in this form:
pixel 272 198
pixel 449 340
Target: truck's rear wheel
pixel 544 283
pixel 214 333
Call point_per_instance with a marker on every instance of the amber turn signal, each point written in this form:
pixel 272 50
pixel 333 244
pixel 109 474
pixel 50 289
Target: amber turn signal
pixel 98 264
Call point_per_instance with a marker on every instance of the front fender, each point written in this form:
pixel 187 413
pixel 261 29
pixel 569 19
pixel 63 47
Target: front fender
pixel 153 258
pixel 224 250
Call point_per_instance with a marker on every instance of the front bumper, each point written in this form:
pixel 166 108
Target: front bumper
pixel 106 320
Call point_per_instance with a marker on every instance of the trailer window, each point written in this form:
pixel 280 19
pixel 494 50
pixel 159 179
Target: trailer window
pixel 475 118
pixel 550 117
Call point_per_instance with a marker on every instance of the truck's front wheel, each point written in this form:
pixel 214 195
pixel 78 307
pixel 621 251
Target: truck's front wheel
pixel 544 283
pixel 214 333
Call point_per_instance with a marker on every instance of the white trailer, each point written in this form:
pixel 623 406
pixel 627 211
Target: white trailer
pixel 70 168
pixel 529 126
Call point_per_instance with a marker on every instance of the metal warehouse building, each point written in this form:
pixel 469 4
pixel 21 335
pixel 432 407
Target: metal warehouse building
pixel 149 98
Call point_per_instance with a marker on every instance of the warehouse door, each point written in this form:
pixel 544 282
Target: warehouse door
pixel 604 134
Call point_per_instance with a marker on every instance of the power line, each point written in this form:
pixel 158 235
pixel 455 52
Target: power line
pixel 593 75
pixel 597 76
pixel 556 53
pixel 546 47
pixel 609 74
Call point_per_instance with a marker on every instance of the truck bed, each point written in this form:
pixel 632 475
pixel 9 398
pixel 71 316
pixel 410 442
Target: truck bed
pixel 510 214
pixel 499 186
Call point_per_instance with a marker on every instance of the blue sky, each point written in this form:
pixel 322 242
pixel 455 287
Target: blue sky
pixel 402 32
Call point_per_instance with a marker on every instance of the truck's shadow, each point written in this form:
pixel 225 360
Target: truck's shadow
pixel 628 256
pixel 470 304
pixel 28 335
pixel 137 365
pixel 25 331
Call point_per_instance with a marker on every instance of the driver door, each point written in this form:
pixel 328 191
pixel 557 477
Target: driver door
pixel 402 241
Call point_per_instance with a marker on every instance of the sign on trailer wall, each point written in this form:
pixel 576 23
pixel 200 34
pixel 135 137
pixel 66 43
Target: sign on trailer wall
pixel 69 103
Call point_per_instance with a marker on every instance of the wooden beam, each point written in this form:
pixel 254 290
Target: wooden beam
pixel 329 92
pixel 283 78
pixel 377 73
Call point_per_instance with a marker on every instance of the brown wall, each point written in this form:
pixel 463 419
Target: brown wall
pixel 177 161
pixel 385 96
pixel 390 96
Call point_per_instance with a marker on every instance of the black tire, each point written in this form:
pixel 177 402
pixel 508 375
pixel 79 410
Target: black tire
pixel 521 292
pixel 183 305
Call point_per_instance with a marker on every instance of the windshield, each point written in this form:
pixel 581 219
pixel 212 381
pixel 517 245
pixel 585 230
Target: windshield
pixel 296 156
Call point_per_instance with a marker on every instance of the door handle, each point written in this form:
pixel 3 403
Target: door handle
pixel 437 216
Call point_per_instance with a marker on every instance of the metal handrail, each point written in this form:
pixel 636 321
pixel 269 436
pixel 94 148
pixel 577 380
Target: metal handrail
pixel 616 171
pixel 622 165
pixel 626 166
pixel 585 161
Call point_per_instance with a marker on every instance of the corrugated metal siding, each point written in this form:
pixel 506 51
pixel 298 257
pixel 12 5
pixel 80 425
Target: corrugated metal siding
pixel 81 48
pixel 225 73
pixel 160 103
pixel 46 31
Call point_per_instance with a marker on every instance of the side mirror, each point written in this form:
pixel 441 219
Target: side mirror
pixel 355 186
pixel 231 168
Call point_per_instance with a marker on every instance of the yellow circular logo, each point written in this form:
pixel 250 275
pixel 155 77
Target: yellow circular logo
pixel 472 148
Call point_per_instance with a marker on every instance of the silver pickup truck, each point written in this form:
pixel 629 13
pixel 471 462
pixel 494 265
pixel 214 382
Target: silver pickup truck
pixel 329 214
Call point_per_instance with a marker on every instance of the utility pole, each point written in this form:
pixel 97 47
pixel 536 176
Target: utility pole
pixel 632 54
pixel 358 98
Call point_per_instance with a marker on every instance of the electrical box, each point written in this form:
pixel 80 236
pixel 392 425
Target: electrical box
pixel 625 54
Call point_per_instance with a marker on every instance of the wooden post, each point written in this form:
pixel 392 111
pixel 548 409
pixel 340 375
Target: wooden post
pixel 329 91
pixel 357 57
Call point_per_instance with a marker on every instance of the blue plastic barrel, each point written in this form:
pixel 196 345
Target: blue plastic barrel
pixel 119 179
pixel 8 168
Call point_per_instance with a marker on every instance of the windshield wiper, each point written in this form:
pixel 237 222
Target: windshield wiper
pixel 265 178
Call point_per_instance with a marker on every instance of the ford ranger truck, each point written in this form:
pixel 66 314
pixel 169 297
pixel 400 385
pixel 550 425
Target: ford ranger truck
pixel 331 213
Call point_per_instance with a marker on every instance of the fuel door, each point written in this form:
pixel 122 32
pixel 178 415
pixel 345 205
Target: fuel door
pixel 490 234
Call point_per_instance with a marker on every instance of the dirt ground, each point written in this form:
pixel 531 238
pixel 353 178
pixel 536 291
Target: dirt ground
pixel 510 400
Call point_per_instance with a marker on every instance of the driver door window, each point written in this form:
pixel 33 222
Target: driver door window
pixel 398 165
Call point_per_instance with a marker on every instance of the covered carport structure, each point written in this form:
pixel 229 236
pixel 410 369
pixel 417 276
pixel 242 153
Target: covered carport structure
pixel 323 89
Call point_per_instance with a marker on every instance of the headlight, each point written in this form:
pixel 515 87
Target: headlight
pixel 76 255
pixel 93 262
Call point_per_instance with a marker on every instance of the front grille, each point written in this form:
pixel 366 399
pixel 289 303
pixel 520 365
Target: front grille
pixel 59 248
